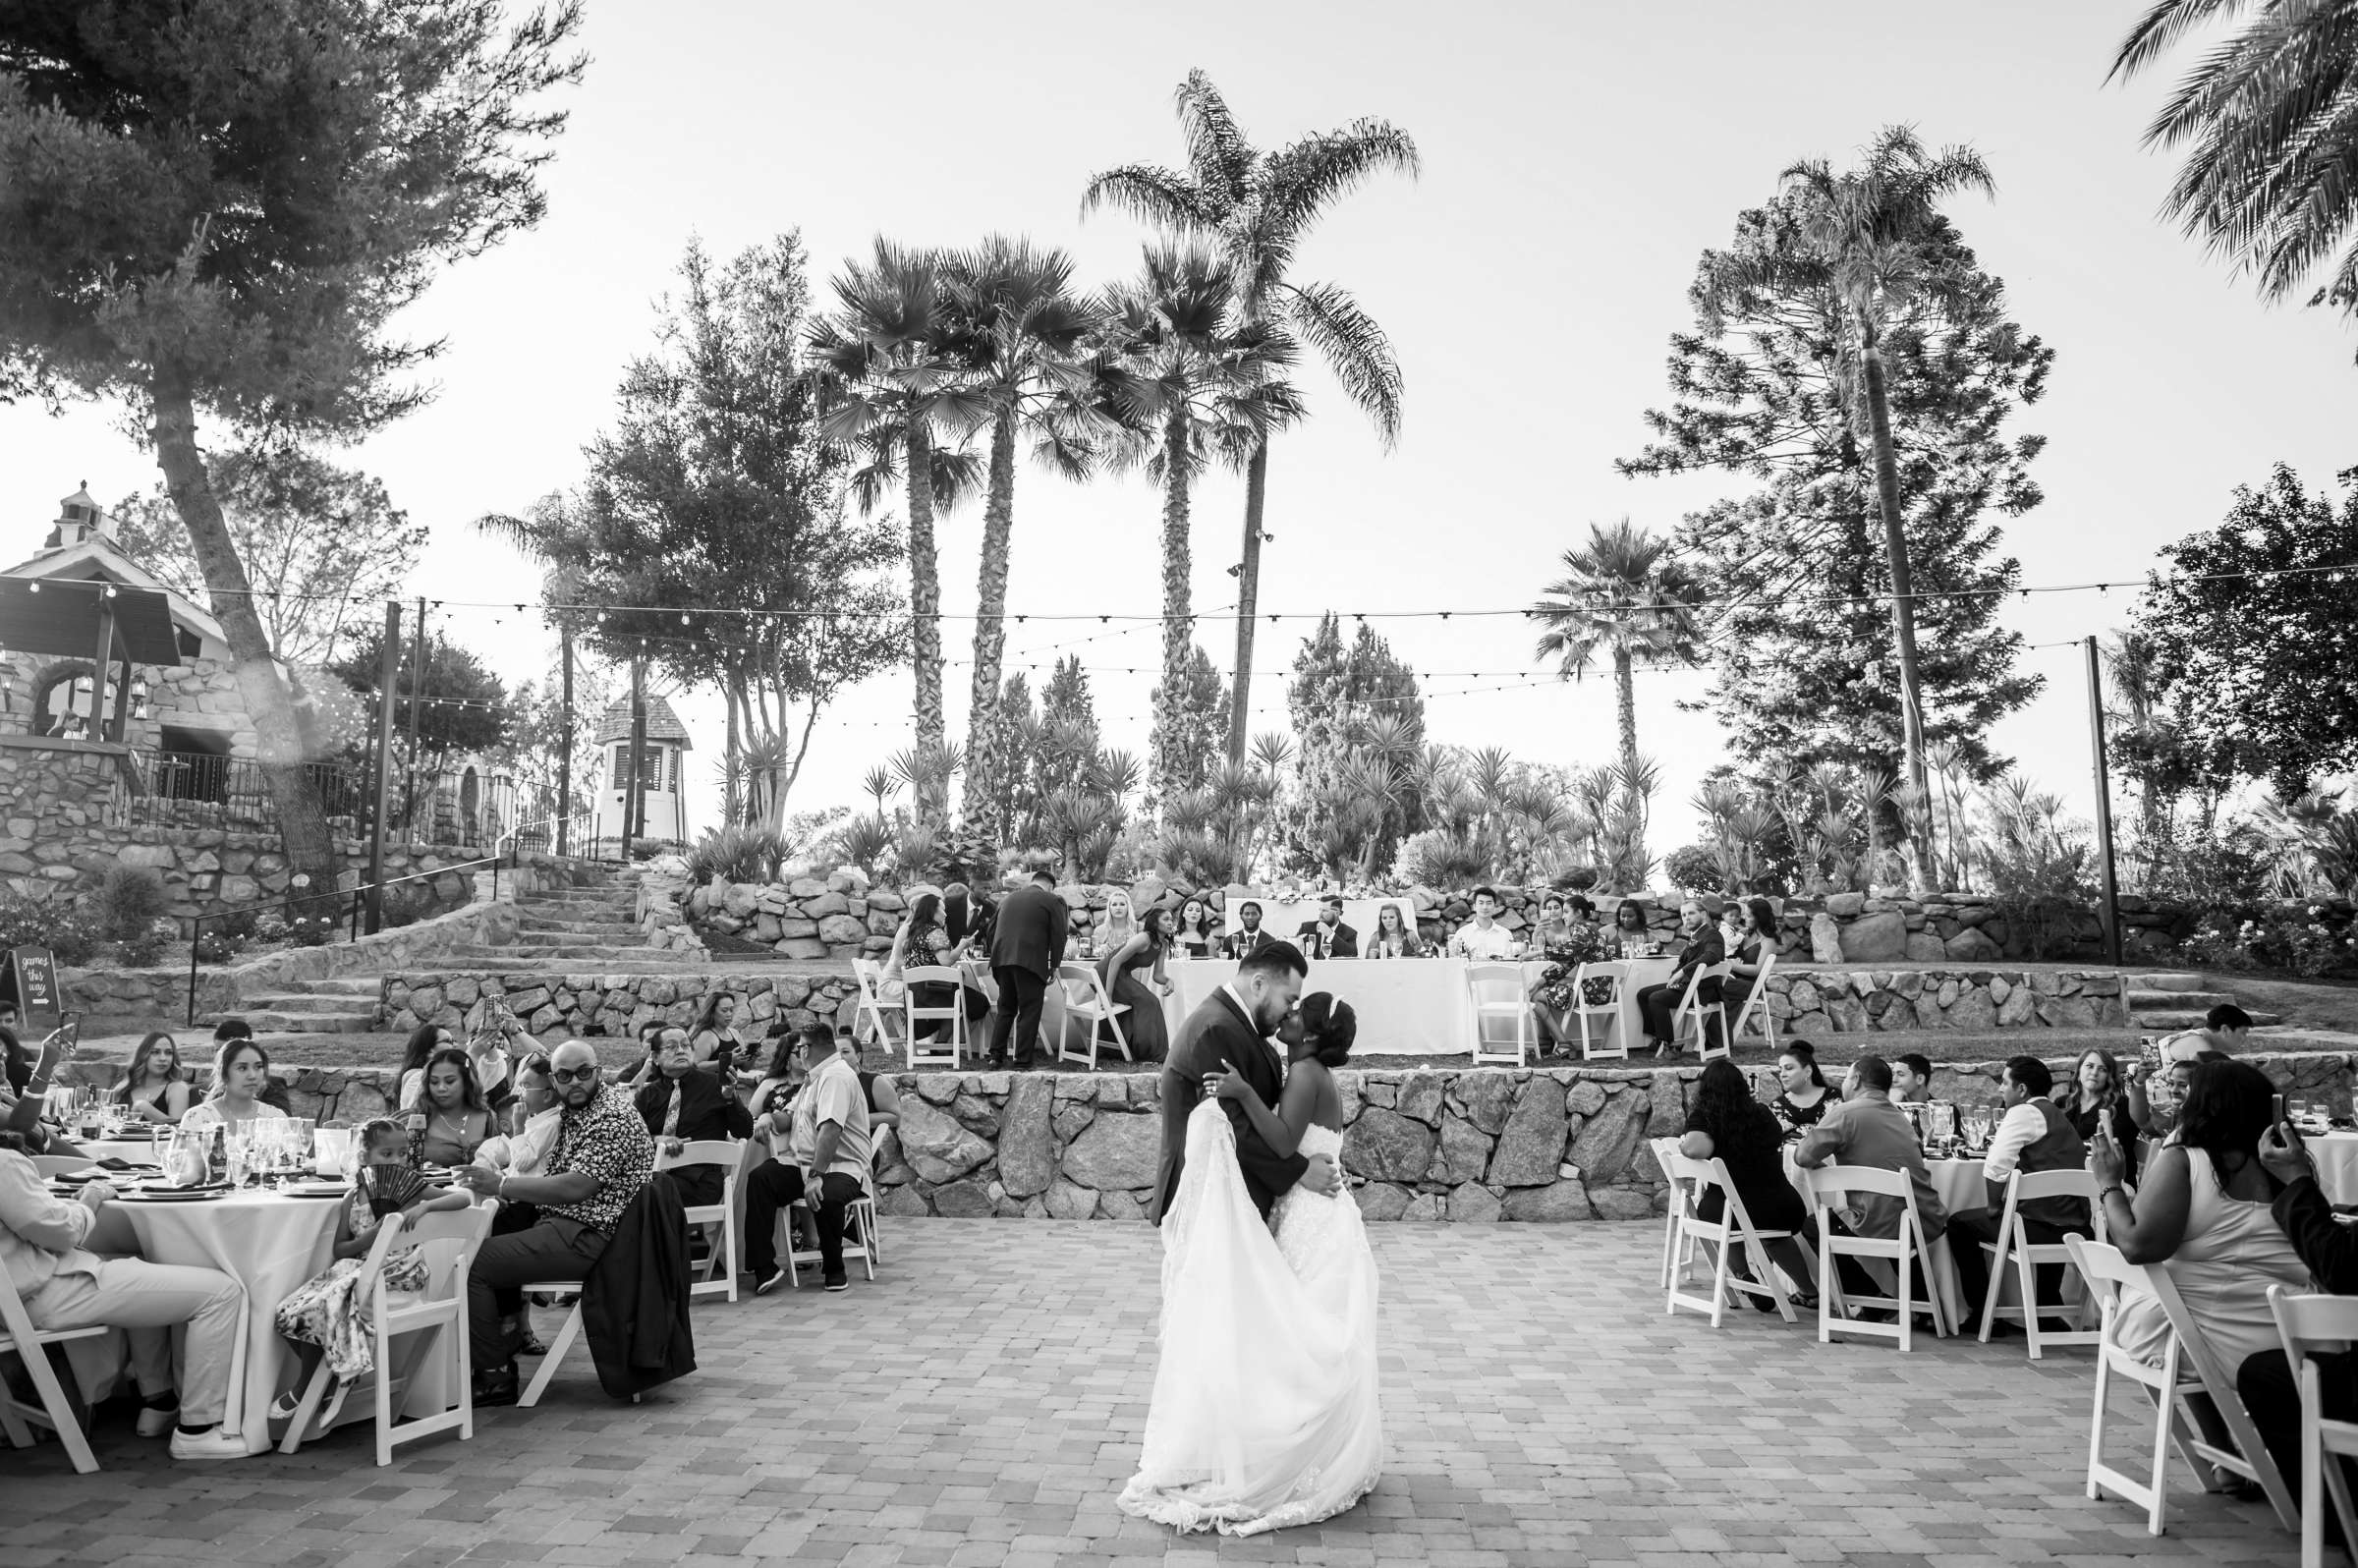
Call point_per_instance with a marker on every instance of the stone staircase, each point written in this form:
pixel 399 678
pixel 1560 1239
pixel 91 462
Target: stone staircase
pixel 2160 1002
pixel 342 1006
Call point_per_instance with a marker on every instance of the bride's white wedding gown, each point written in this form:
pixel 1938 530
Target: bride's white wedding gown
pixel 1266 1411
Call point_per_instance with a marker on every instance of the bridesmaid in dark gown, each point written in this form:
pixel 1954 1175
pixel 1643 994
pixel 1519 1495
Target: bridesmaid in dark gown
pixel 1135 974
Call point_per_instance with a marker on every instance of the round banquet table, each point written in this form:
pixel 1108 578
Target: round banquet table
pixel 270 1243
pixel 2336 1156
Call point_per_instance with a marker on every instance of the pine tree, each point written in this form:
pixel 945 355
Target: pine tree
pixel 1202 722
pixel 1359 722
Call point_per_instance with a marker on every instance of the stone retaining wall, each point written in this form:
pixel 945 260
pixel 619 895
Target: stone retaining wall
pixel 1820 1001
pixel 554 1006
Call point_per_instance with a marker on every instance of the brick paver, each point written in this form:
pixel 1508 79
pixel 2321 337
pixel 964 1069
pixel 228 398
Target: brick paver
pixel 980 1405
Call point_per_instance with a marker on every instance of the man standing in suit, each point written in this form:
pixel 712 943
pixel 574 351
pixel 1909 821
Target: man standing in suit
pixel 1230 1034
pixel 1026 943
pixel 1250 940
pixel 1328 936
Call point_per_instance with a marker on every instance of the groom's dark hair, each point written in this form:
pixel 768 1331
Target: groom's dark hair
pixel 1276 957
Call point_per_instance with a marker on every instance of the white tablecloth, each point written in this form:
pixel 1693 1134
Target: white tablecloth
pixel 2336 1156
pixel 270 1243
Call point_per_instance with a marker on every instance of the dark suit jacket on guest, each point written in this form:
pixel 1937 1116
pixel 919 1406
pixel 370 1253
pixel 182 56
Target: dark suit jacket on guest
pixel 1315 943
pixel 1242 944
pixel 974 917
pixel 1029 931
pixel 1218 1034
pixel 704 1112
pixel 1708 948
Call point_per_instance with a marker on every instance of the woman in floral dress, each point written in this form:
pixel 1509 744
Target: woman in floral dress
pixel 1567 937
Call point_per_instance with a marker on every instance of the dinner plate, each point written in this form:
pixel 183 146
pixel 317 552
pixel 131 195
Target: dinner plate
pixel 314 1189
pixel 175 1195
pixel 76 1177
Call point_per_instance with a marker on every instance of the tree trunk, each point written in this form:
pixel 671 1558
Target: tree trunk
pixel 924 587
pixel 1178 568
pixel 301 822
pixel 1903 613
pixel 984 742
pixel 1247 599
pixel 1625 693
pixel 732 771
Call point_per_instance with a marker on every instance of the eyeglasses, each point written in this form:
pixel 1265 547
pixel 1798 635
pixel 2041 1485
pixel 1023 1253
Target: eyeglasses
pixel 572 1075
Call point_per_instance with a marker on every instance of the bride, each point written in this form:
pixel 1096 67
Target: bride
pixel 1266 1410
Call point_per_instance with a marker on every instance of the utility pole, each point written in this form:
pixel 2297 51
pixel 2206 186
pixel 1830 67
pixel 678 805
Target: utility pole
pixel 388 672
pixel 633 795
pixel 2103 805
pixel 565 741
pixel 408 788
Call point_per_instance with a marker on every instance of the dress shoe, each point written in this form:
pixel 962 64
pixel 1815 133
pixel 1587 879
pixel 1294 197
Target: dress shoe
pixel 215 1442
pixel 497 1387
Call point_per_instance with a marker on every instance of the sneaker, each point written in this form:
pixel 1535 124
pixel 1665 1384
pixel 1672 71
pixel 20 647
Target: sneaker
pixel 156 1420
pixel 840 1280
pixel 215 1442
pixel 777 1277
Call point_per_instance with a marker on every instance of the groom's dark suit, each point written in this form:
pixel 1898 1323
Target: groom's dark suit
pixel 1218 1034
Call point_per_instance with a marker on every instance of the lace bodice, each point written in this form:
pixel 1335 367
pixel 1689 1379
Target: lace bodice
pixel 1314 1229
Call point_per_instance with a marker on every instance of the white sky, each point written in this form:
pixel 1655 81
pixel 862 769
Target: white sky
pixel 1578 158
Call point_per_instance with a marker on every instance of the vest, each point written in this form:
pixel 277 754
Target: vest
pixel 2056 1149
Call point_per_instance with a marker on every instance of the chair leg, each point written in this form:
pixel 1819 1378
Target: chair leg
pixel 384 1396
pixel 2165 1424
pixel 1765 1272
pixel 1995 1291
pixel 556 1353
pixel 2096 1422
pixel 61 1410
pixel 462 1372
pixel 1720 1282
pixel 2026 1284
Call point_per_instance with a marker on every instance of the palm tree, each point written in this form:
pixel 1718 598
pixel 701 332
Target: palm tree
pixel 1256 206
pixel 1866 235
pixel 2265 114
pixel 891 381
pixel 1627 595
pixel 1025 338
pixel 1195 378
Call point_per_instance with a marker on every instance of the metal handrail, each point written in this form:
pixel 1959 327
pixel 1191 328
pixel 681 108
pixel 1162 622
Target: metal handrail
pixel 578 821
pixel 357 895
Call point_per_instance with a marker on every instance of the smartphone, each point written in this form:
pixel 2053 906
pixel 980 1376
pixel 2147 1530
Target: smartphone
pixel 69 1029
pixel 2276 1109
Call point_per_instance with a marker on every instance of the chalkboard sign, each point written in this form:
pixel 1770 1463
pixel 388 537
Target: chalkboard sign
pixel 29 980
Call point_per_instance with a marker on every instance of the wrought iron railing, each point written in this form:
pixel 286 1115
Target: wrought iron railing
pixel 203 789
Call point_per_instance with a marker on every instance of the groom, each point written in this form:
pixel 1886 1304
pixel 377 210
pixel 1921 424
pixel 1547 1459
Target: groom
pixel 1229 1033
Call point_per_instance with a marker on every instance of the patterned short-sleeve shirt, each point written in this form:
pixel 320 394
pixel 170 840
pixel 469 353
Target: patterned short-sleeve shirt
pixel 605 1138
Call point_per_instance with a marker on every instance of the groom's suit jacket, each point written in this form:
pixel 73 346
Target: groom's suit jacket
pixel 1218 1034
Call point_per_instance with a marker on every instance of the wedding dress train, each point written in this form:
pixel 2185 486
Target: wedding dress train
pixel 1266 1411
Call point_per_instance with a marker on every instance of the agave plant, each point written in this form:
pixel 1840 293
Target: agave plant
pixel 737 854
pixel 867 840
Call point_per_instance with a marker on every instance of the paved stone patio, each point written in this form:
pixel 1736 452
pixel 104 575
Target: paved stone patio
pixel 979 1406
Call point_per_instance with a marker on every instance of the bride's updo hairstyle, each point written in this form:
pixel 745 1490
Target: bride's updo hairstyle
pixel 1331 1026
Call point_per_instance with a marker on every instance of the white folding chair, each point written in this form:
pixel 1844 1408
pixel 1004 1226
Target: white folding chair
pixel 55 1411
pixel 1495 992
pixel 431 1320
pixel 1691 1009
pixel 60 1164
pixel 867 1016
pixel 2308 1324
pixel 1611 1044
pixel 1733 1227
pixel 859 1224
pixel 2188 1378
pixel 2014 1242
pixel 935 1053
pixel 1678 1252
pixel 1089 1005
pixel 1754 1006
pixel 1828 1185
pixel 729 1154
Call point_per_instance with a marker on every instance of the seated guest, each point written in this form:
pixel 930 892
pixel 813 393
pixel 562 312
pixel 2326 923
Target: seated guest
pixel 1655 1004
pixel 1482 937
pixel 1752 944
pixel 1729 1124
pixel 687 1105
pixel 2227 1029
pixel 883 1101
pixel 2180 1056
pixel 66 1286
pixel 1195 929
pixel 451 1122
pixel 1912 1080
pixel 601 1159
pixel 967 918
pixel 1867 1128
pixel 2328 1249
pixel 713 1037
pixel 26 1098
pixel 2033 1136
pixel 1805 1095
pixel 1248 938
pixel 522 1151
pixel 273 1093
pixel 2096 1093
pixel 650 1033
pixel 423 1041
pixel 1328 936
pixel 2203 1213
pixel 1395 932
pixel 240 1070
pixel 155 1088
pixel 825 1133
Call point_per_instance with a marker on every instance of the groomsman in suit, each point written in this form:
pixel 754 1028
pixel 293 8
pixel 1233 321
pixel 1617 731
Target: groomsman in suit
pixel 1250 940
pixel 1026 943
pixel 1328 936
pixel 1228 1033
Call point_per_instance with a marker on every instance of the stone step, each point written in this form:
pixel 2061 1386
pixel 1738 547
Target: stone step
pixel 269 1023
pixel 2170 983
pixel 365 985
pixel 2180 1001
pixel 2191 1018
pixel 313 1004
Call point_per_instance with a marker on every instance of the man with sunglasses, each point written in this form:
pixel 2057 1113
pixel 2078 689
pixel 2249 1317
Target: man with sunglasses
pixel 602 1158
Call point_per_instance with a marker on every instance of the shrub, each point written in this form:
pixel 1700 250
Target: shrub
pixel 128 901
pixel 1442 860
pixel 1695 870
pixel 737 854
pixel 70 932
pixel 144 947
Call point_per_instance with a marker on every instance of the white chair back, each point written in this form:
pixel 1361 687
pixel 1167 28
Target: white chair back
pixel 1495 991
pixel 1677 1251
pixel 942 1052
pixel 1613 1040
pixel 868 1016
pixel 2015 1244
pixel 1829 1188
pixel 1754 1009
pixel 730 1155
pixel 55 1411
pixel 1087 1003
pixel 2310 1326
pixel 1691 1010
pixel 1733 1229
